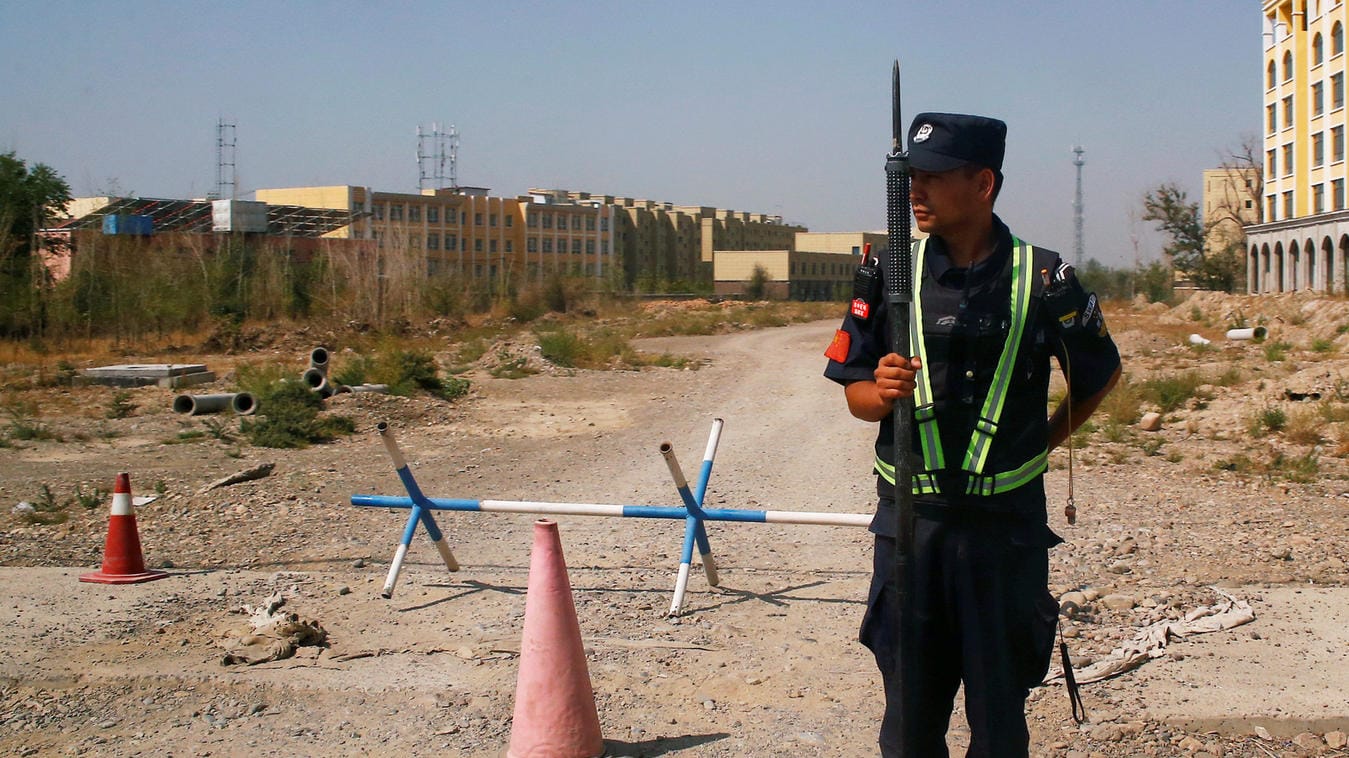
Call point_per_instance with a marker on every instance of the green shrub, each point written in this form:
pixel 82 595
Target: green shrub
pixel 1268 420
pixel 288 417
pixel 1322 346
pixel 121 406
pixel 1276 351
pixel 1171 392
pixel 562 348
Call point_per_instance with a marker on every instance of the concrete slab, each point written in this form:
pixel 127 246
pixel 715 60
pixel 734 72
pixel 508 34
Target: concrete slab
pixel 169 375
pixel 149 370
pixel 1287 671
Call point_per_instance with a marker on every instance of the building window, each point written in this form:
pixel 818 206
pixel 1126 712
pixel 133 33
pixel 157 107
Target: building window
pixel 590 247
pixel 432 241
pixel 1270 77
pixel 379 211
pixel 477 246
pixel 510 248
pixel 1318 49
pixel 1337 91
pixel 492 220
pixel 510 222
pixel 1337 144
pixel 1269 163
pixel 451 242
pixel 463 217
pixel 1319 149
pixel 415 242
pixel 1270 208
pixel 1272 115
pixel 1337 194
pixel 1288 159
pixel 1318 198
pixel 1337 39
pixel 532 245
pixel 432 266
pixel 477 219
pixel 1288 66
pixel 1288 112
pixel 590 223
pixel 604 224
pixel 1288 204
pixel 604 247
pixel 1318 99
pixel 395 213
pixel 492 246
pixel 433 215
pixel 531 220
pixel 414 213
pixel 547 221
pixel 576 247
pixel 547 244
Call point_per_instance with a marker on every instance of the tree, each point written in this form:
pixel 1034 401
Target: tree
pixel 29 200
pixel 1188 250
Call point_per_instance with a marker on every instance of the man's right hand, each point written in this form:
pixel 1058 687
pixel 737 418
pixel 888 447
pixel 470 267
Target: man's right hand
pixel 895 376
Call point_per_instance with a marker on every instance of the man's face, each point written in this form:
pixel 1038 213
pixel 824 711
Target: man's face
pixel 946 200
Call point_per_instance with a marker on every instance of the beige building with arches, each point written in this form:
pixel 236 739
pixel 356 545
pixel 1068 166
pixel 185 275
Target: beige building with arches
pixel 1303 242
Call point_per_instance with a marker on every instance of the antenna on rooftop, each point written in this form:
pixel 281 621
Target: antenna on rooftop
pixel 226 175
pixel 1077 208
pixel 440 149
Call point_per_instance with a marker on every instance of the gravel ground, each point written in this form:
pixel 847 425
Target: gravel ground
pixel 765 664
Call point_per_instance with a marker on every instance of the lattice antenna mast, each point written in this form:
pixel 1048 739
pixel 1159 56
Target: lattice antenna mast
pixel 437 156
pixel 1078 244
pixel 226 174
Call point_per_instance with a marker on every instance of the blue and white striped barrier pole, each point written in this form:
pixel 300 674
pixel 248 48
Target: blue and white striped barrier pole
pixel 421 512
pixel 692 512
pixel 741 515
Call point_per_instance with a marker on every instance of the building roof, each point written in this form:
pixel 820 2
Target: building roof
pixel 196 216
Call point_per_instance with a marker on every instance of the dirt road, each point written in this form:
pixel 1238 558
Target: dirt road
pixel 765 665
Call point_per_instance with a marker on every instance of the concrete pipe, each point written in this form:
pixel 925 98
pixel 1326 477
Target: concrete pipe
pixel 244 404
pixel 1196 339
pixel 1250 333
pixel 315 380
pixel 196 405
pixel 318 359
pixel 382 389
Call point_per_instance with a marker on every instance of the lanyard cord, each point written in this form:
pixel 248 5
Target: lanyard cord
pixel 1069 510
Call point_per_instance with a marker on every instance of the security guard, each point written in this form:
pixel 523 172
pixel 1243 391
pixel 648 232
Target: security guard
pixel 989 310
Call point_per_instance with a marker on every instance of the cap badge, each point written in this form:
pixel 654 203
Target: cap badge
pixel 923 133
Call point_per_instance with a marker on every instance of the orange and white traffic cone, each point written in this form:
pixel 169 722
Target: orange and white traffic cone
pixel 122 560
pixel 555 714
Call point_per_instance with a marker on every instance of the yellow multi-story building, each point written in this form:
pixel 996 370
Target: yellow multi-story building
pixel 467 231
pixel 1303 241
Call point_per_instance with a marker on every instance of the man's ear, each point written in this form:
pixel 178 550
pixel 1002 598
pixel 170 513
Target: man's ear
pixel 988 181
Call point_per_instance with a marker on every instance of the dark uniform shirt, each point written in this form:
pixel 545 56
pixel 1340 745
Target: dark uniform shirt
pixel 966 319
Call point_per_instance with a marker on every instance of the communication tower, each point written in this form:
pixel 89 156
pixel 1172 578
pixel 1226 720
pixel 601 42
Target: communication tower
pixel 437 157
pixel 226 175
pixel 1077 208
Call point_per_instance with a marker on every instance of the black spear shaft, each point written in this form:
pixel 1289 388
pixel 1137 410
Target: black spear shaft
pixel 899 300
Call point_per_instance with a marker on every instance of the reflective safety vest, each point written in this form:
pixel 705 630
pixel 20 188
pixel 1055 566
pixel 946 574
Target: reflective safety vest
pixel 986 427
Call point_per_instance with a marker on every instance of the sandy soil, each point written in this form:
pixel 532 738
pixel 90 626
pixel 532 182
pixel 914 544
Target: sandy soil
pixel 766 664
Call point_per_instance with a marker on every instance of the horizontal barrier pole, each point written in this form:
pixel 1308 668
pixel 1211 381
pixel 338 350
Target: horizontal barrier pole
pixel 620 511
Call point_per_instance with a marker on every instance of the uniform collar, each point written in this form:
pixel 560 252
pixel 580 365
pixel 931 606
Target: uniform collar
pixel 939 263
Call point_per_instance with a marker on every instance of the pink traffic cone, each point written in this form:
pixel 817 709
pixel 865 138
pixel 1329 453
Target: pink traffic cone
pixel 555 713
pixel 122 559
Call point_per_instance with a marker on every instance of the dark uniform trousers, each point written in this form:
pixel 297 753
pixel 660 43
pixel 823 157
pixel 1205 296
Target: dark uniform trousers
pixel 979 611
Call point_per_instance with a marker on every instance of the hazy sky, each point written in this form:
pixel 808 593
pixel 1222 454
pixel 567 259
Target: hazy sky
pixel 780 107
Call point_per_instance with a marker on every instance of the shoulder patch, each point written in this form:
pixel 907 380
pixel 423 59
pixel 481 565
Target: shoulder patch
pixel 838 348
